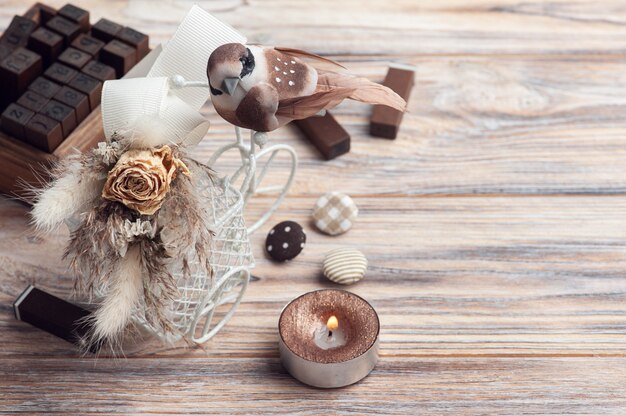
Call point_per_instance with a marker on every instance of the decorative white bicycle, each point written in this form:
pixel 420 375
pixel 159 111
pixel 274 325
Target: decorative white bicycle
pixel 231 259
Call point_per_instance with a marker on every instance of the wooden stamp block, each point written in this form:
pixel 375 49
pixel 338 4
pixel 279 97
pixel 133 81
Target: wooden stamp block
pixel 88 45
pixel 75 99
pixel 17 71
pixel 60 73
pixel 66 28
pixel 89 86
pixel 62 113
pixel 99 71
pixel 44 87
pixel 74 58
pixel 137 40
pixel 76 15
pixel 46 43
pixel 14 119
pixel 33 101
pixel 16 34
pixel 43 132
pixel 120 56
pixel 105 30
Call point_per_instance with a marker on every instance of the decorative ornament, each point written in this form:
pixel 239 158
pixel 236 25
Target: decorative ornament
pixel 345 265
pixel 285 241
pixel 262 88
pixel 334 213
pixel 145 219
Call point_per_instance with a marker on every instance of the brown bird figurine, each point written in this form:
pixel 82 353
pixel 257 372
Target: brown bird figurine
pixel 262 88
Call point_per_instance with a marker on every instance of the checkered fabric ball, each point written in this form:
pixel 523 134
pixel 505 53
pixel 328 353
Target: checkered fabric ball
pixel 334 213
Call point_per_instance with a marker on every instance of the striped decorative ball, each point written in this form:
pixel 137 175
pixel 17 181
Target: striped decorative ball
pixel 345 265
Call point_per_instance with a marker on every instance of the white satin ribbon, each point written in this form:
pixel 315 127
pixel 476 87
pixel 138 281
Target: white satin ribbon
pixel 126 100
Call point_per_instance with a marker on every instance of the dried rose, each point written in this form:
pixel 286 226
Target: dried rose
pixel 141 178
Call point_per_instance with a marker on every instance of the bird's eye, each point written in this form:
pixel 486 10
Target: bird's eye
pixel 215 91
pixel 247 64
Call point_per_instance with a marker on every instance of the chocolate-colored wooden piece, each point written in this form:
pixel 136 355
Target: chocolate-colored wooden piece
pixel 74 58
pixel 326 134
pixel 99 71
pixel 75 99
pixel 16 35
pixel 53 315
pixel 43 132
pixel 385 121
pixel 13 120
pixel 76 15
pixel 40 13
pixel 33 101
pixel 66 28
pixel 17 71
pixel 88 44
pixel 120 56
pixel 46 43
pixel 89 86
pixel 105 30
pixel 60 73
pixel 44 87
pixel 137 40
pixel 62 113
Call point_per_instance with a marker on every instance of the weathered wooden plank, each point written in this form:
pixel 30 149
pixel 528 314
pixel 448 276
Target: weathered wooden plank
pixel 461 276
pixel 476 125
pixel 260 386
pixel 405 27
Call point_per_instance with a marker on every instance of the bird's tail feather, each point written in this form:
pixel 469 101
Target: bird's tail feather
pixel 364 90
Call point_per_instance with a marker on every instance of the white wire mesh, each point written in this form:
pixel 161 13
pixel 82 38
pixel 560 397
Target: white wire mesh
pixel 231 260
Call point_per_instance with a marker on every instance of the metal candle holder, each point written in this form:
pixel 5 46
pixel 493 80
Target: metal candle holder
pixel 327 363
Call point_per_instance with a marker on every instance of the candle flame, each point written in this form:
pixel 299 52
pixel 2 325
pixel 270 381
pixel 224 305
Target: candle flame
pixel 332 323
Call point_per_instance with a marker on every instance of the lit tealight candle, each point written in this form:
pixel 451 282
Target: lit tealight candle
pixel 329 338
pixel 330 335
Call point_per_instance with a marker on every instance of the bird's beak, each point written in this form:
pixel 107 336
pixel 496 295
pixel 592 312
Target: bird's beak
pixel 230 85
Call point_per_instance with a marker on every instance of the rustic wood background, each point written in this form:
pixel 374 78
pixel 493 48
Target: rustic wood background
pixel 494 225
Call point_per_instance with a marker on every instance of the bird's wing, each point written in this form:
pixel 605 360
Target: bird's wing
pixel 302 107
pixel 365 90
pixel 304 54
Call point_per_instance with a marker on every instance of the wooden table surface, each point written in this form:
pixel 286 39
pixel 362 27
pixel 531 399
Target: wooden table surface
pixel 495 225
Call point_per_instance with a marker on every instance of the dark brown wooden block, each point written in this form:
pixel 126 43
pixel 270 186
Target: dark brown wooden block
pixel 74 58
pixel 46 43
pixel 330 138
pixel 88 45
pixel 17 34
pixel 14 119
pixel 17 71
pixel 75 99
pixel 66 28
pixel 76 15
pixel 105 30
pixel 99 71
pixel 62 113
pixel 40 13
pixel 33 101
pixel 44 87
pixel 385 121
pixel 55 316
pixel 60 73
pixel 120 56
pixel 89 86
pixel 137 40
pixel 43 132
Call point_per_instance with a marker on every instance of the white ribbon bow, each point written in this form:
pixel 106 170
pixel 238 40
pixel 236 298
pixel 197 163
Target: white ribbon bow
pixel 147 90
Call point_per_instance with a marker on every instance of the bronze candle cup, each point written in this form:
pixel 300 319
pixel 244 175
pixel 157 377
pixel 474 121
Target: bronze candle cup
pixel 321 354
